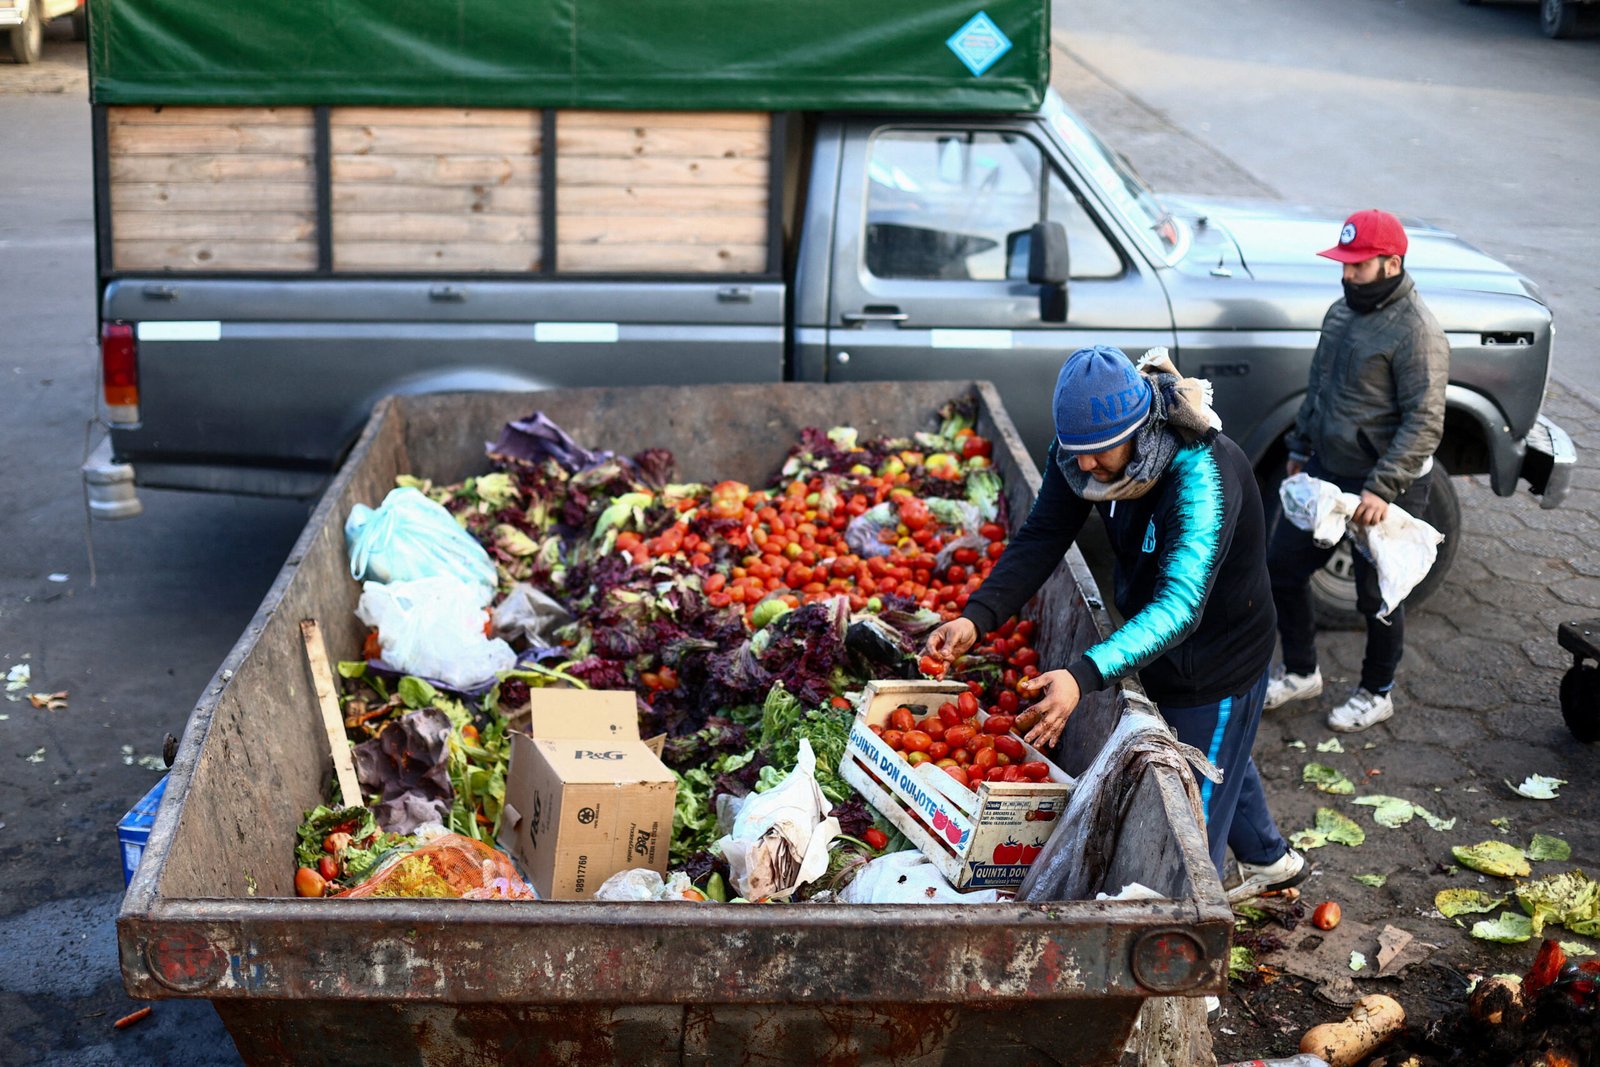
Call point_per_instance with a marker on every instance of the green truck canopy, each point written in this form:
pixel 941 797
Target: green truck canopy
pixel 754 55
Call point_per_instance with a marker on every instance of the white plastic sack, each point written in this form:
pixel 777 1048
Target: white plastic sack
pixel 529 614
pixel 410 537
pixel 908 878
pixel 641 883
pixel 1402 547
pixel 433 627
pixel 779 839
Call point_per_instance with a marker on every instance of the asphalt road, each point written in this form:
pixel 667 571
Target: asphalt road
pixel 1463 115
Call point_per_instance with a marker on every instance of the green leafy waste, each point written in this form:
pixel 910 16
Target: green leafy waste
pixel 1571 899
pixel 1327 779
pixel 1544 847
pixel 1395 812
pixel 1376 881
pixel 1330 826
pixel 1241 963
pixel 1510 928
pixel 1493 857
pixel 1453 902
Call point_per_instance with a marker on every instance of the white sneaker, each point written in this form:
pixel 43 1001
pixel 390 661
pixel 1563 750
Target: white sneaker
pixel 1362 710
pixel 1284 687
pixel 1287 870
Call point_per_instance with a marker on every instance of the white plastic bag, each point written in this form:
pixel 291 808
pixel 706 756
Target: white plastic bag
pixel 908 878
pixel 1402 547
pixel 779 839
pixel 410 537
pixel 433 627
pixel 529 614
pixel 641 883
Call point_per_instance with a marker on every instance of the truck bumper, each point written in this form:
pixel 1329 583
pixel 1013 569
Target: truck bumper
pixel 108 485
pixel 1547 461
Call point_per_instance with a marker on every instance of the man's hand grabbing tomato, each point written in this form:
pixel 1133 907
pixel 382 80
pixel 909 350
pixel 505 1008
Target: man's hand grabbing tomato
pixel 1058 695
pixel 952 639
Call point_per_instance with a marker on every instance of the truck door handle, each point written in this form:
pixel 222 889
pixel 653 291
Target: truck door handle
pixel 447 294
pixel 875 313
pixel 160 292
pixel 1224 370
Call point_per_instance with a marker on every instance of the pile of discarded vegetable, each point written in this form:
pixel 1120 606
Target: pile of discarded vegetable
pixel 740 617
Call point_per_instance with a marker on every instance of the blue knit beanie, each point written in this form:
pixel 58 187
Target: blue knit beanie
pixel 1100 400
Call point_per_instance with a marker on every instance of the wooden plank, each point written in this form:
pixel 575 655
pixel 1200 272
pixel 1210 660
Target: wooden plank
pixel 591 171
pixel 519 118
pixel 663 199
pixel 208 140
pixel 661 229
pixel 520 199
pixel 212 196
pixel 213 255
pixel 691 120
pixel 661 142
pixel 322 683
pixel 743 259
pixel 211 168
pixel 414 227
pixel 208 116
pixel 460 256
pixel 215 226
pixel 472 169
pixel 435 140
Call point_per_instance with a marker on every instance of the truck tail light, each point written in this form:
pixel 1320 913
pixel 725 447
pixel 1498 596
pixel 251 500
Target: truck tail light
pixel 119 371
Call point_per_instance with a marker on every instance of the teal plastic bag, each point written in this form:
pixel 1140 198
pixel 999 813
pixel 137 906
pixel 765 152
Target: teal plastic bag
pixel 410 537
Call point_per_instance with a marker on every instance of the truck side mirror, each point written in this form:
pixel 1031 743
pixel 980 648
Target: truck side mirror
pixel 1047 268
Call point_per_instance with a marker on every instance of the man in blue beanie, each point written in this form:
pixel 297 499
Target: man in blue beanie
pixel 1183 514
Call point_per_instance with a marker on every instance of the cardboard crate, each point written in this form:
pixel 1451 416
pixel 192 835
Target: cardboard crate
pixel 585 798
pixel 133 830
pixel 978 840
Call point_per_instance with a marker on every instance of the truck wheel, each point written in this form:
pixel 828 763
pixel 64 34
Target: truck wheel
pixel 80 23
pixel 27 40
pixel 1564 19
pixel 1333 588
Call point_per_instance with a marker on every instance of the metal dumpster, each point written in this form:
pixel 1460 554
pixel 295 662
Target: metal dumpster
pixel 211 912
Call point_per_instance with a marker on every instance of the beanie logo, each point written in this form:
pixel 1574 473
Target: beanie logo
pixel 1114 407
pixel 1347 234
pixel 1149 538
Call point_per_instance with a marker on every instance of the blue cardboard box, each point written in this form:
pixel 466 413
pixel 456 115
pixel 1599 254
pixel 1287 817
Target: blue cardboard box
pixel 134 829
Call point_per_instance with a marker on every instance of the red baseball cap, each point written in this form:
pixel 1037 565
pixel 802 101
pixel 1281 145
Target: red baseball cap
pixel 1367 234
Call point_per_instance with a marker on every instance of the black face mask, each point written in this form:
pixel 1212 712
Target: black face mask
pixel 1364 299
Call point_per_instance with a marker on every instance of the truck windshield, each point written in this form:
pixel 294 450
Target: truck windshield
pixel 1117 181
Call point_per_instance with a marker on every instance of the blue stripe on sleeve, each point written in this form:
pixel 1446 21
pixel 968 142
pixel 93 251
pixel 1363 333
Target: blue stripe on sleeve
pixel 1190 556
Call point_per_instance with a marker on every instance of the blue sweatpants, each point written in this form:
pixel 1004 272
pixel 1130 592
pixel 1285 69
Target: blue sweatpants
pixel 1236 808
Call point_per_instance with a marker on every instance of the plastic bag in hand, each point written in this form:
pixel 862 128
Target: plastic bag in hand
pixel 433 627
pixel 410 537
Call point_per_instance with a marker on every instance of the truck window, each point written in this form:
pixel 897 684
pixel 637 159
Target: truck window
pixel 954 204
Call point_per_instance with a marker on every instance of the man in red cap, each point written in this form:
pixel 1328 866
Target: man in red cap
pixel 1372 415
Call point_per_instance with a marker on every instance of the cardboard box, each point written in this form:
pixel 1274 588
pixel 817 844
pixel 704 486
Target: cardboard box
pixel 585 798
pixel 979 840
pixel 133 831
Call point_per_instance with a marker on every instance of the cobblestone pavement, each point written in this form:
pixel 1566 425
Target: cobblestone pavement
pixel 1477 699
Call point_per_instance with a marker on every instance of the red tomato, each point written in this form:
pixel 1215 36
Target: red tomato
pixel 992 531
pixel 1327 915
pixel 309 883
pixel 895 739
pixel 1024 657
pixel 982 741
pixel 916 741
pixel 1009 745
pixel 975 774
pixel 995 550
pixel 933 728
pixel 1013 773
pixel 965 556
pixel 949 715
pixel 999 723
pixel 1038 770
pixel 902 719
pixel 328 867
pixel 876 729
pixel 957 773
pixel 961 756
pixel 876 838
pixel 958 736
pixel 976 446
pixel 1002 647
pixel 967 704
pixel 932 666
pixel 938 751
pixel 842 703
pixel 985 758
pixel 1025 629
pixel 1007 701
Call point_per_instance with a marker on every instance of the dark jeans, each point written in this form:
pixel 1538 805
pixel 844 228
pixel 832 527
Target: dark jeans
pixel 1236 808
pixel 1292 558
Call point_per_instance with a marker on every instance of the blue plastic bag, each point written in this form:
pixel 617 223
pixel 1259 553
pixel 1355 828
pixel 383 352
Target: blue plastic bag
pixel 410 537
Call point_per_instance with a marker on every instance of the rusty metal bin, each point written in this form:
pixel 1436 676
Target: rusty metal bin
pixel 211 912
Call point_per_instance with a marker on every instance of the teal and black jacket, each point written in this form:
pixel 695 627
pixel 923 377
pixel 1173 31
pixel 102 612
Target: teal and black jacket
pixel 1191 577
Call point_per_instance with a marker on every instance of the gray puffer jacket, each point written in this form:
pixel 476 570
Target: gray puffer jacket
pixel 1375 402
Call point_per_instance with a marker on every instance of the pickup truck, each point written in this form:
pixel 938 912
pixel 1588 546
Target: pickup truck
pixel 22 22
pixel 870 246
